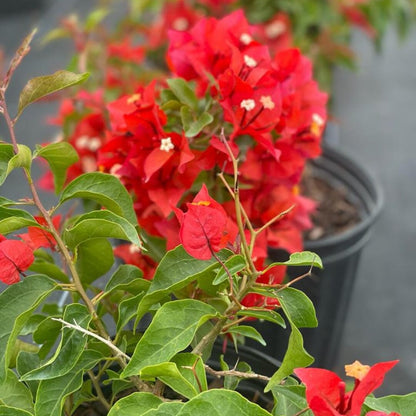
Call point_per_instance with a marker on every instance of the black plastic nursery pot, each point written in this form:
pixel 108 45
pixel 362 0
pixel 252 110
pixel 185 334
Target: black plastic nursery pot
pixel 330 289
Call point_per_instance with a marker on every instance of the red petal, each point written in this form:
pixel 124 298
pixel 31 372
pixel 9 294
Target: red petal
pixel 15 257
pixel 368 384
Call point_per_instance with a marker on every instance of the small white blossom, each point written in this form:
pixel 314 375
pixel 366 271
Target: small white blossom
pixel 246 39
pixel 82 142
pixel 114 169
pixel 94 144
pixel 267 102
pixel 316 118
pixel 248 104
pixel 249 61
pixel 166 144
pixel 180 24
pixel 134 249
pixel 275 29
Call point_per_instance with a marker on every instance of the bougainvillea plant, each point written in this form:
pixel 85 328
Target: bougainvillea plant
pixel 196 171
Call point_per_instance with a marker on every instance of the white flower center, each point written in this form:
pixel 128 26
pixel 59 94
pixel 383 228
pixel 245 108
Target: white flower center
pixel 166 144
pixel 246 39
pixel 82 142
pixel 275 29
pixel 316 118
pixel 248 104
pixel 134 249
pixel 267 102
pixel 180 24
pixel 94 144
pixel 249 61
pixel 114 169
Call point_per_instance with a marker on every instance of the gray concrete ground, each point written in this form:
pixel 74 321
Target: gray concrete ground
pixel 377 123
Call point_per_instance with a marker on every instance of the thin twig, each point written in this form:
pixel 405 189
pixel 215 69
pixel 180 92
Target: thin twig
pixel 235 373
pixel 91 334
pixel 98 390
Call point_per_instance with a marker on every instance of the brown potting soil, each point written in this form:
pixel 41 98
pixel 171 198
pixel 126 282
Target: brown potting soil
pixel 335 212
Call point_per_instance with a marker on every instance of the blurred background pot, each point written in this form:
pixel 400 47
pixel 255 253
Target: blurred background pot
pixel 330 289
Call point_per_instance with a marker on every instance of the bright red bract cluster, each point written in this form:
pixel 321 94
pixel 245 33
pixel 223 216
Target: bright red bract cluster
pixel 263 99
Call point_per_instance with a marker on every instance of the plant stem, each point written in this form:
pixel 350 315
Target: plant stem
pixel 98 390
pixel 210 337
pixel 235 373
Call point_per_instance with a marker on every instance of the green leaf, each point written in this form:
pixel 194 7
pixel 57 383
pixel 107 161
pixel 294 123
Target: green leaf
pixel 220 402
pixel 197 125
pixel 49 269
pixel 304 258
pixel 6 153
pixel 136 404
pixel 13 411
pixel 46 335
pixel 178 374
pixel 22 159
pixel 14 393
pixel 17 304
pixel 127 310
pixel 104 189
pixel 100 224
pixel 234 265
pixel 166 409
pixel 27 361
pixel 94 259
pixel 171 331
pixel 247 331
pixel 14 219
pixel 266 315
pixel 169 374
pixel 53 392
pixel 298 308
pixel 183 92
pixel 60 156
pixel 42 86
pixel 175 271
pixel 290 400
pixel 404 405
pixel 4 202
pixel 70 348
pixel 295 357
pixel 129 278
pixel 95 17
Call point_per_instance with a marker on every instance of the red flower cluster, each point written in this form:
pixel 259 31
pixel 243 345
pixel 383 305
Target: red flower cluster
pixel 267 104
pixel 325 391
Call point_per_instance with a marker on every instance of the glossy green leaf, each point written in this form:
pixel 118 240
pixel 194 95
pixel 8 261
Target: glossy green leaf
pixel 52 393
pixel 100 224
pixel 304 258
pixel 184 93
pixel 127 310
pixel 5 202
pixel 46 335
pixel 129 278
pixel 70 348
pixel 247 331
pixel 297 307
pixel 94 258
pixel 232 382
pixel 17 303
pixel 22 159
pixel 13 411
pixel 166 409
pixel 197 125
pixel 175 271
pixel 14 219
pixel 14 393
pixel 290 401
pixel 220 402
pixel 26 362
pixel 266 315
pixel 136 404
pixel 197 377
pixel 170 375
pixel 234 265
pixel 171 331
pixel 404 405
pixel 295 357
pixel 6 154
pixel 60 156
pixel 104 189
pixel 44 85
pixel 49 269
